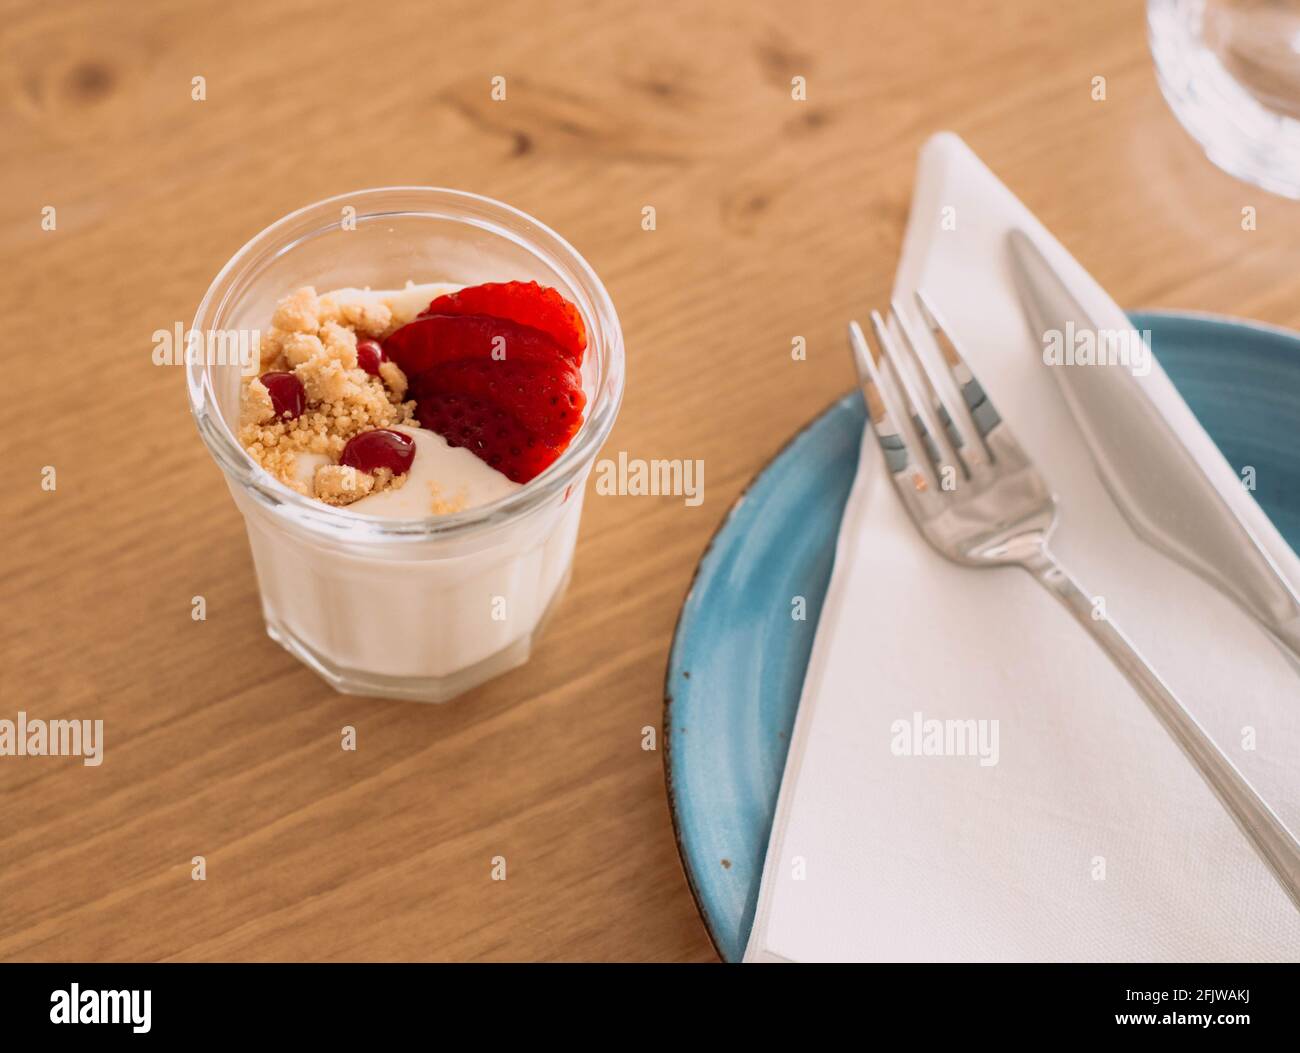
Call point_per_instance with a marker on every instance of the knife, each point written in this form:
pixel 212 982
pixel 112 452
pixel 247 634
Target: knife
pixel 1158 485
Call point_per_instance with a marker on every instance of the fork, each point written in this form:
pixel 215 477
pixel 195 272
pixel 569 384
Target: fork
pixel 978 500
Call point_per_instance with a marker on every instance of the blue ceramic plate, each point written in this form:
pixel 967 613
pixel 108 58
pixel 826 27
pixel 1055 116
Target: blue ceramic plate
pixel 736 668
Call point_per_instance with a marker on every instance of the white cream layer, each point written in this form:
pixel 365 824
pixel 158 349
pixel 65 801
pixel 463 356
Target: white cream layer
pixel 405 303
pixel 442 479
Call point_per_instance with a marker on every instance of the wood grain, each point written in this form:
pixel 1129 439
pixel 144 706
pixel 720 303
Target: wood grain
pixel 775 218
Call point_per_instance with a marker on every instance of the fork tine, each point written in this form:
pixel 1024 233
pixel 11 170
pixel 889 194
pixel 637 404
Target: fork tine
pixel 906 399
pixel 948 433
pixel 1002 448
pixel 978 407
pixel 882 402
pixel 916 409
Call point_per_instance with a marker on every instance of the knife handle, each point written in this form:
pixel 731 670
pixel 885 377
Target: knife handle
pixel 1276 845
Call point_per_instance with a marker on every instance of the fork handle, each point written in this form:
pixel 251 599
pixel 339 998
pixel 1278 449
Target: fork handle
pixel 1270 836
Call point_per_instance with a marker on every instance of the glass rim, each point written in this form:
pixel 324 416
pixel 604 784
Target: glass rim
pixel 604 338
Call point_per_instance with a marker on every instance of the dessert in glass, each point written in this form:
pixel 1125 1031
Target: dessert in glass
pixel 436 374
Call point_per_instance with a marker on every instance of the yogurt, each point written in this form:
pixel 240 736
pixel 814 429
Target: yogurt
pixel 442 479
pixel 426 620
pixel 405 303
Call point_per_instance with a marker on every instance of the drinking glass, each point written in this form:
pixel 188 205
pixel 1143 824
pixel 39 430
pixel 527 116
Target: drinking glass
pixel 1230 70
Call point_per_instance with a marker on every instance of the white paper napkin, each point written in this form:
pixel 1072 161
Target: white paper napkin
pixel 1092 837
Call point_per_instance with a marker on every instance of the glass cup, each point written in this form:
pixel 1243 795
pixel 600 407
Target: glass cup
pixel 421 609
pixel 1230 71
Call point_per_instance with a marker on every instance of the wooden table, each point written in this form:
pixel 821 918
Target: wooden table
pixel 776 218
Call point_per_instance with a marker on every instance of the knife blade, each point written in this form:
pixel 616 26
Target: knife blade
pixel 1160 488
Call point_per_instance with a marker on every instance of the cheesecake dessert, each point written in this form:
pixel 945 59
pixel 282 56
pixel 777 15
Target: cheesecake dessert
pixel 410 460
pixel 421 401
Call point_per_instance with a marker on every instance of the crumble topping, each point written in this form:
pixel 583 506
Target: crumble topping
pixel 315 339
pixel 391 375
pixel 299 312
pixel 341 484
pixel 255 404
pixel 371 319
pixel 441 506
pixel 338 484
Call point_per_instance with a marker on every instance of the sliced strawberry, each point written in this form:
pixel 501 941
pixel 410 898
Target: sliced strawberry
pixel 499 387
pixel 524 302
pixel 433 340
pixel 545 398
pixel 488 432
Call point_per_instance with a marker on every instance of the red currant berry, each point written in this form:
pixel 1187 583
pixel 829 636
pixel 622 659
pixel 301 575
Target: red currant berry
pixel 369 355
pixel 287 394
pixel 380 448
